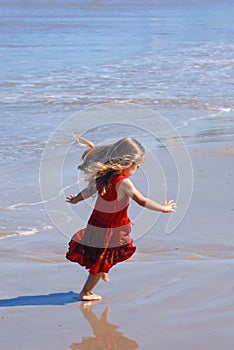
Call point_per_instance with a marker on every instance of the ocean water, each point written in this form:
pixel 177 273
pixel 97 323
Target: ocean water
pixel 58 57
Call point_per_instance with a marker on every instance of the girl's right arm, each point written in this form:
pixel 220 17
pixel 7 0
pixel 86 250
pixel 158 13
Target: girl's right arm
pixel 126 187
pixel 86 193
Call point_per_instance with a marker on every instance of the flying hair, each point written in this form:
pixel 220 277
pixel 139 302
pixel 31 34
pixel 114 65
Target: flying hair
pixel 101 162
pixel 87 143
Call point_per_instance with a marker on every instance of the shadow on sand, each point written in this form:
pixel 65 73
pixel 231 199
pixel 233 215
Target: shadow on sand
pixel 50 299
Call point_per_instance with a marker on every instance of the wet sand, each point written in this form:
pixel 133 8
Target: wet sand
pixel 175 293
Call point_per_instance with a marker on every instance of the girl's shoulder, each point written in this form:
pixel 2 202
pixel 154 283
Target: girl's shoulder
pixel 124 187
pixel 118 177
pixel 117 180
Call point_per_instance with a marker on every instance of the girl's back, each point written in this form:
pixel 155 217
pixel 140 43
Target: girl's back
pixel 109 211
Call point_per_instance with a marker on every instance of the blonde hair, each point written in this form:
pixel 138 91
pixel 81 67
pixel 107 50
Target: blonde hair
pixel 101 162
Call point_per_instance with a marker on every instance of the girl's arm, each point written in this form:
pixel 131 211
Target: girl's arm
pixel 126 187
pixel 86 193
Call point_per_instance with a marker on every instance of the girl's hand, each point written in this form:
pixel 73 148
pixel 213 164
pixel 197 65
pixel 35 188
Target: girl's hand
pixel 73 199
pixel 169 206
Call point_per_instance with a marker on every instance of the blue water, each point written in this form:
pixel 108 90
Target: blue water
pixel 62 54
pixel 58 57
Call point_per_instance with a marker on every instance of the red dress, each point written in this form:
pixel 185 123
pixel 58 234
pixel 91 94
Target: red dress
pixel 106 239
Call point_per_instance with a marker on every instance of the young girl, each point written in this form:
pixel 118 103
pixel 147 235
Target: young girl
pixel 106 239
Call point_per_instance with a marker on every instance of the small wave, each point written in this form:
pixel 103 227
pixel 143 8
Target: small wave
pixel 28 232
pixel 13 206
pixel 219 111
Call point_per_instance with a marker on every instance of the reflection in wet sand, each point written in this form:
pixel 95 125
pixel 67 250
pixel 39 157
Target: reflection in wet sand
pixel 106 335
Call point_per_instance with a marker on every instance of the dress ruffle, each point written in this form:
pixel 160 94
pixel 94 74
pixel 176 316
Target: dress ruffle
pixel 98 259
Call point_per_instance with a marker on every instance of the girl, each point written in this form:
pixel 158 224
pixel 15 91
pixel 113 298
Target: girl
pixel 106 239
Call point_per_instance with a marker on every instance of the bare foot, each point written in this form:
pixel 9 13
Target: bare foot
pixel 90 296
pixel 105 277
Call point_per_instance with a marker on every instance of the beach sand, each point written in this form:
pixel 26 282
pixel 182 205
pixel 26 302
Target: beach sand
pixel 175 293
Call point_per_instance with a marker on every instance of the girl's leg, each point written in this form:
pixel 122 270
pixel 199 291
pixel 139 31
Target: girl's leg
pixel 86 293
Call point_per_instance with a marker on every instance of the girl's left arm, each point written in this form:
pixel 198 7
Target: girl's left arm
pixel 126 187
pixel 85 193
